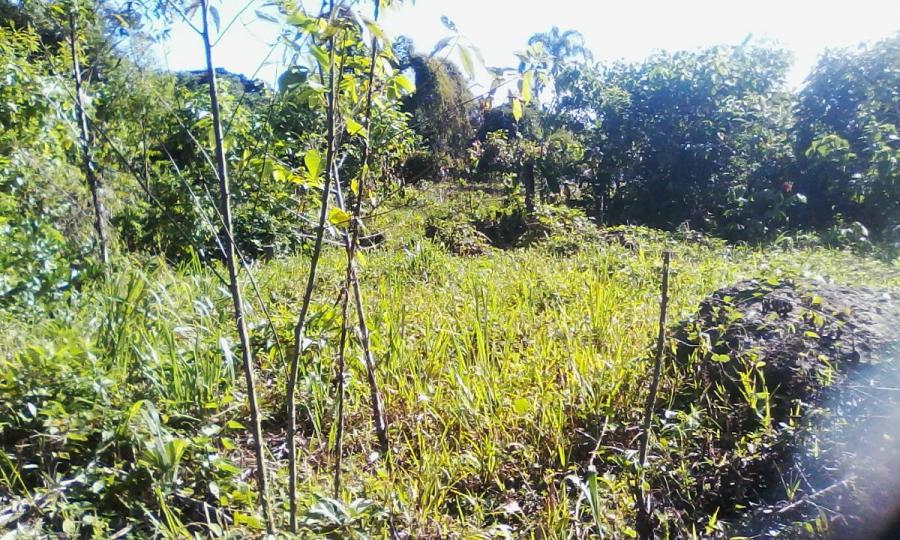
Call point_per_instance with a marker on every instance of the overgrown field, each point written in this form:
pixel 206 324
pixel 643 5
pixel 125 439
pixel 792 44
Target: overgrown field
pixel 508 378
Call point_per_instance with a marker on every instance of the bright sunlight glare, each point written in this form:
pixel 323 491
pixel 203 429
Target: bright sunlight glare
pixel 612 30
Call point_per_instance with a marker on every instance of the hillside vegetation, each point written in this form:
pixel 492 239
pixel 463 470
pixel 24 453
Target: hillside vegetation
pixel 367 303
pixel 501 374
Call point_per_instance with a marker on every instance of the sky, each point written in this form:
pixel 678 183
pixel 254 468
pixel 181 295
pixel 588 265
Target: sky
pixel 625 29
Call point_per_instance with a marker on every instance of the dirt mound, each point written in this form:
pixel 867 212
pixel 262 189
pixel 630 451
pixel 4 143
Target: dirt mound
pixel 791 339
pixel 771 380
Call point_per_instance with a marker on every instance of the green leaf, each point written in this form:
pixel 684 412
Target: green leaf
pixel 266 17
pixel 122 22
pixel 250 521
pixel 711 524
pixel 465 58
pixel 448 23
pixel 313 97
pixel 292 77
pixel 521 405
pixel 338 218
pixel 215 17
pixel 321 56
pixel 516 109
pixel 226 466
pixel 302 21
pixel 441 45
pixel 525 85
pixel 267 167
pixel 405 83
pixel 313 162
pixel 232 424
pixel 376 30
pixel 478 55
pixel 353 127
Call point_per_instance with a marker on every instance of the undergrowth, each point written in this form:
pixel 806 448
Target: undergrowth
pixel 508 375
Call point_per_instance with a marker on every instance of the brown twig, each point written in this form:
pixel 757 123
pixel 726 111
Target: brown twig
pixel 299 328
pixel 87 160
pixel 809 498
pixel 644 524
pixel 230 259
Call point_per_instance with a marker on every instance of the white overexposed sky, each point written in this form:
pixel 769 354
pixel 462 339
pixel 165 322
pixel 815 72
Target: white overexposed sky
pixel 625 29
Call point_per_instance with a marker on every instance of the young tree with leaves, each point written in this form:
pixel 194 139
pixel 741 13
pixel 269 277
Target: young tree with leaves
pixel 89 167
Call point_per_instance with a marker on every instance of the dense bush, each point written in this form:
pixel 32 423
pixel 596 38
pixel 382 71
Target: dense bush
pixel 116 425
pixel 442 107
pixel 848 139
pixel 695 136
pixel 149 134
pixel 43 215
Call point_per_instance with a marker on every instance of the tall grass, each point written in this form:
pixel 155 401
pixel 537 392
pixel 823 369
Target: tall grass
pixel 504 377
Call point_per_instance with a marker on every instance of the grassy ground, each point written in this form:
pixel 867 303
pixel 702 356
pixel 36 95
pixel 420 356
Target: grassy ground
pixel 122 410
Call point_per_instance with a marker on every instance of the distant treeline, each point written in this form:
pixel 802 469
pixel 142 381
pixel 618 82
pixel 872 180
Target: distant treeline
pixel 711 139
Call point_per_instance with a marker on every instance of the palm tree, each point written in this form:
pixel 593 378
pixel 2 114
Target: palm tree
pixel 560 48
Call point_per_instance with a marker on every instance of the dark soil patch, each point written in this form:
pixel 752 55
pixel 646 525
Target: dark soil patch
pixel 778 399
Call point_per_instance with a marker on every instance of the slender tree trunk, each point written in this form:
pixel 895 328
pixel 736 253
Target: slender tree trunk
pixel 553 185
pixel 300 327
pixel 230 259
pixel 527 178
pixel 342 351
pixel 145 156
pixel 644 523
pixel 351 242
pixel 351 280
pixel 87 162
pixel 598 188
pixel 378 417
